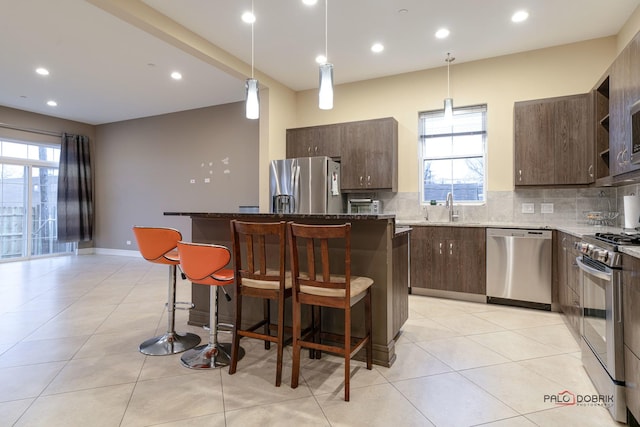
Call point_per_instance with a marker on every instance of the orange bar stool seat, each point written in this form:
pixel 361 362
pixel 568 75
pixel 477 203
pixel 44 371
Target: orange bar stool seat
pixel 259 254
pixel 204 264
pixel 158 245
pixel 315 284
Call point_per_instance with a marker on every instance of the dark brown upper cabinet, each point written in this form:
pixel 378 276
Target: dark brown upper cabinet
pixel 553 141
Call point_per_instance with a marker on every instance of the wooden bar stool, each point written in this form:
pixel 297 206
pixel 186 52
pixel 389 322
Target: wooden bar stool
pixel 316 285
pixel 259 254
pixel 158 245
pixel 204 264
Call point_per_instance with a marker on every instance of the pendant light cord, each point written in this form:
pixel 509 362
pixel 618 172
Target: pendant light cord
pixel 252 38
pixel 326 31
pixel 448 77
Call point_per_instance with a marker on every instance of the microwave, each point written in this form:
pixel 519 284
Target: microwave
pixel 364 206
pixel 635 132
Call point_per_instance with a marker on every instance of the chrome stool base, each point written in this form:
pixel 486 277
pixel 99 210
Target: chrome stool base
pixel 209 356
pixel 170 343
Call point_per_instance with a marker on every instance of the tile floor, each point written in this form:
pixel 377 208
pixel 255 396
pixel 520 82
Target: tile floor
pixel 70 329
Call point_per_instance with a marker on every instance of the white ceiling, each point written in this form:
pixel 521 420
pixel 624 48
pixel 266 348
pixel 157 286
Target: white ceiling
pixel 104 69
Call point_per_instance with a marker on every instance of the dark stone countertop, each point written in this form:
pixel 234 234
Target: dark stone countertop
pixel 276 216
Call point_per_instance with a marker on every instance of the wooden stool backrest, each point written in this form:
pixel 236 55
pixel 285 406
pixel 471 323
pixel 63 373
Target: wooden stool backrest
pixel 251 244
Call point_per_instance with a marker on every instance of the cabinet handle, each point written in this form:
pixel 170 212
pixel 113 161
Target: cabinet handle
pixel 520 175
pixel 315 149
pixel 619 158
pixel 368 179
pixel 440 248
pixel 308 150
pixel 361 180
pixel 625 158
pixel 450 248
pixel 590 171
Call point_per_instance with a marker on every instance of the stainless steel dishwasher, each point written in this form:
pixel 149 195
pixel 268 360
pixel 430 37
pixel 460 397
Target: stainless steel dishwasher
pixel 519 267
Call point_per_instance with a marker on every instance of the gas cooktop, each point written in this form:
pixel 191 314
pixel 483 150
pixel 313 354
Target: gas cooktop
pixel 619 239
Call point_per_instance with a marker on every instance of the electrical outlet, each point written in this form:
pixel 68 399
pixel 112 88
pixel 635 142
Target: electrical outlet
pixel 546 208
pixel 528 208
pixel 207 180
pixel 192 181
pixel 128 242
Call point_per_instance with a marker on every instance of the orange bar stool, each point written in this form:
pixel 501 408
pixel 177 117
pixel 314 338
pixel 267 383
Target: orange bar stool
pixel 259 254
pixel 158 245
pixel 318 286
pixel 204 264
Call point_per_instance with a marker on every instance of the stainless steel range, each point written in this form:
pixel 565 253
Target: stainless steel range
pixel 602 334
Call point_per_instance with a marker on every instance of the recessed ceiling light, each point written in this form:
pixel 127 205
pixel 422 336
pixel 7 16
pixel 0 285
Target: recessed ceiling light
pixel 520 16
pixel 52 103
pixel 309 2
pixel 42 71
pixel 377 48
pixel 321 59
pixel 176 75
pixel 442 33
pixel 248 17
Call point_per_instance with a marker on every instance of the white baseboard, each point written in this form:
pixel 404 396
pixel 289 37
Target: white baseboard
pixel 118 252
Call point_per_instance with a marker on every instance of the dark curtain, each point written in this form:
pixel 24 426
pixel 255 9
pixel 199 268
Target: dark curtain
pixel 75 190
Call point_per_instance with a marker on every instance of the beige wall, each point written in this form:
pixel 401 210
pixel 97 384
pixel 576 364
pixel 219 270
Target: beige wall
pixel 145 166
pixel 498 82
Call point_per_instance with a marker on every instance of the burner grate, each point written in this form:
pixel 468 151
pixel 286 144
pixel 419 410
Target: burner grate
pixel 619 239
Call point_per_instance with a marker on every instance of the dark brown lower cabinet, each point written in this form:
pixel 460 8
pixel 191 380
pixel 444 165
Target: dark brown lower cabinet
pixel 449 259
pixel 631 326
pixel 568 278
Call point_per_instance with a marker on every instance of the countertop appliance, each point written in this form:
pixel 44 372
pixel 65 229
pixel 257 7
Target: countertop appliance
pixel 602 346
pixel 631 212
pixel 305 185
pixel 519 267
pixel 364 206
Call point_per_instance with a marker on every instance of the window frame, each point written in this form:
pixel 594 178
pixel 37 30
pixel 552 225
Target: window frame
pixel 424 136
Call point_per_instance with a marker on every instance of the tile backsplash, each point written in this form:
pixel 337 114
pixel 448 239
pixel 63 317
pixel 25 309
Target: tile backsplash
pixel 568 205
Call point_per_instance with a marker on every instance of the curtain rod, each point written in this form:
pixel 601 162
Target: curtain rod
pixel 23 129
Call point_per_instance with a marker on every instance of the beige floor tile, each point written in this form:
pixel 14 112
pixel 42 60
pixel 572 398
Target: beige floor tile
pixel 214 420
pixel 583 416
pixel 520 388
pixel 327 375
pixel 514 346
pixel 425 330
pixel 377 405
pixel 11 411
pixel 468 324
pixel 554 335
pixel 462 353
pixel 114 343
pixel 82 374
pixel 96 407
pixel 298 412
pixel 520 318
pixel 22 382
pixel 520 421
pixel 564 369
pixel 412 362
pixel 175 398
pixel 156 367
pixel 42 351
pixel 452 400
pixel 254 385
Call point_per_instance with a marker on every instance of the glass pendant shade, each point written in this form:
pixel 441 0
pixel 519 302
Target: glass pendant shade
pixel 448 110
pixel 325 97
pixel 253 99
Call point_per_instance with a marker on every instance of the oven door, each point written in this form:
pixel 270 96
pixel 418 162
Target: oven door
pixel 602 314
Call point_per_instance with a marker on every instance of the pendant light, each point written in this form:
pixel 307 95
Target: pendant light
pixel 325 94
pixel 251 85
pixel 448 101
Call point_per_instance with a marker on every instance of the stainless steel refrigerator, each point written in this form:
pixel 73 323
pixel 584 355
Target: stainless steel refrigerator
pixel 305 185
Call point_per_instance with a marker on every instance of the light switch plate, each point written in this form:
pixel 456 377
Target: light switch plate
pixel 546 208
pixel 528 208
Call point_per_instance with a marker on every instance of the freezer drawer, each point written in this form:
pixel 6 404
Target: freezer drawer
pixel 519 265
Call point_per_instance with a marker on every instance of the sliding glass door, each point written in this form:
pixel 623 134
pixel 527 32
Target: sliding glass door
pixel 28 202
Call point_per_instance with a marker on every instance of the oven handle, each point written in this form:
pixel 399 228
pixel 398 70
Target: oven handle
pixel 592 271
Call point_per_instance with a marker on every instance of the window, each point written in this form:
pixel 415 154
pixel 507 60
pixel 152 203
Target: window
pixel 452 154
pixel 28 201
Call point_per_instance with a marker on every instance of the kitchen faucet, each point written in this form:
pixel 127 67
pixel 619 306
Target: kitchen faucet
pixel 449 204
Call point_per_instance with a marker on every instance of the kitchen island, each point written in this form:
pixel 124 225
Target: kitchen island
pixel 378 251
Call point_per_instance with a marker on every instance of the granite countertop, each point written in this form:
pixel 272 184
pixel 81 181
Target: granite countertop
pixel 339 216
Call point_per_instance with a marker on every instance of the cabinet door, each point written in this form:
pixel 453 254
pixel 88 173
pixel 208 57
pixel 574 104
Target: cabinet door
pixel 467 260
pixel 420 257
pixel 618 123
pixel 573 143
pixel 370 155
pixel 631 302
pixel 314 141
pixel 533 143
